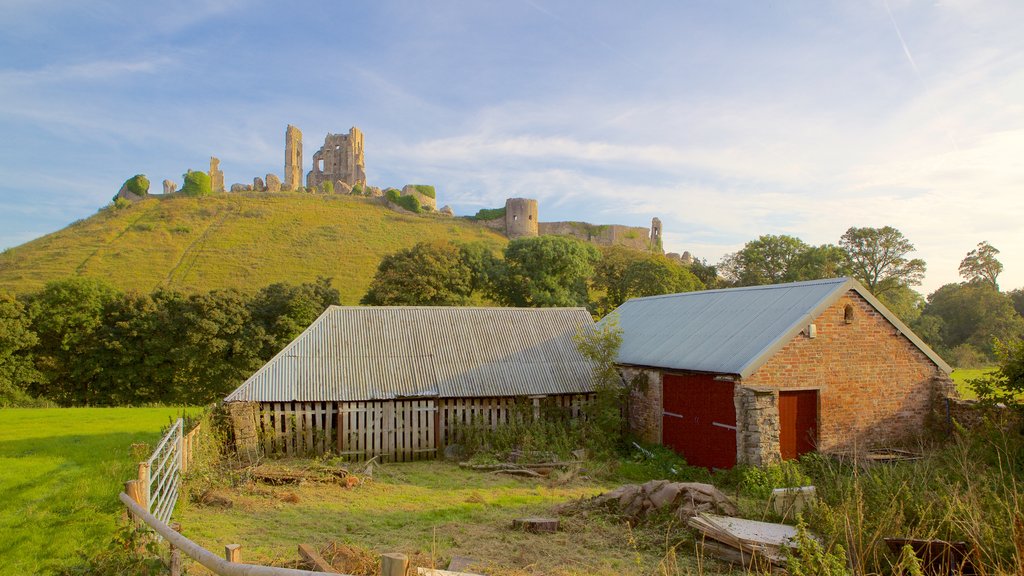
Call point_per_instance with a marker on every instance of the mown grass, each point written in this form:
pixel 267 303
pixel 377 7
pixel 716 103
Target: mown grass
pixel 433 511
pixel 962 375
pixel 60 472
pixel 237 240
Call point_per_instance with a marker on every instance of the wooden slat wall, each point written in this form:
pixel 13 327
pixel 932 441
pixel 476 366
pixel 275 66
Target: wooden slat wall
pixel 395 430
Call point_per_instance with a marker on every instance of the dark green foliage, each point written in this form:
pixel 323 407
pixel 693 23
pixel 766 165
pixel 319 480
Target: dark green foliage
pixel 196 184
pixel 545 271
pixel 904 302
pixel 482 263
pixel 550 432
pixel 426 190
pixel 96 346
pixel 428 274
pixel 969 313
pixel 1006 384
pixel 878 258
pixel 490 213
pixel 707 274
pixel 410 203
pixel 624 273
pixel 17 370
pixel 1017 298
pixel 138 185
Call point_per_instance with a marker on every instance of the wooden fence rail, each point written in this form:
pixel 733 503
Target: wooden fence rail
pixel 213 562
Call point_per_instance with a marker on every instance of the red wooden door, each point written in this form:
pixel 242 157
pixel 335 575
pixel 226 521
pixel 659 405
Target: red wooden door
pixel 798 422
pixel 699 419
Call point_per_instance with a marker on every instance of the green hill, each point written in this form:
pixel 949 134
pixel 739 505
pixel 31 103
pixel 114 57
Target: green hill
pixel 239 240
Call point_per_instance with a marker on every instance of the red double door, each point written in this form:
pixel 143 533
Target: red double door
pixel 699 419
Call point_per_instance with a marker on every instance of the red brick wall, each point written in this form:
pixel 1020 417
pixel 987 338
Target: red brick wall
pixel 875 386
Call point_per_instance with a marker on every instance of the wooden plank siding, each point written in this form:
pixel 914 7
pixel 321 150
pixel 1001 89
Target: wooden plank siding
pixel 394 430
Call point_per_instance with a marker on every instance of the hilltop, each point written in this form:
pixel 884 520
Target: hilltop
pixel 242 240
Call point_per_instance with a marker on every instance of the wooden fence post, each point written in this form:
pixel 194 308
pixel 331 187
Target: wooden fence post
pixel 144 485
pixel 175 554
pixel 394 564
pixel 233 552
pixel 131 488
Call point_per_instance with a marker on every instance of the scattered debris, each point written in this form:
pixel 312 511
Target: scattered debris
pixel 436 572
pixel 746 542
pixel 878 456
pixel 535 524
pixel 938 557
pixel 310 555
pixel 289 497
pixel 349 559
pixel 681 499
pixel 461 563
pixel 519 472
pixel 542 469
pixel 212 497
pixel 280 474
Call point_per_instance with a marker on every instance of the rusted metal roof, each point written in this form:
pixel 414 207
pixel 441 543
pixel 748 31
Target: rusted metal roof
pixel 354 353
pixel 735 330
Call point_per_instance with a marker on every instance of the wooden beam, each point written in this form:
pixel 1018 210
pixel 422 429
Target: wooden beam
pixel 309 554
pixel 394 564
pixel 233 553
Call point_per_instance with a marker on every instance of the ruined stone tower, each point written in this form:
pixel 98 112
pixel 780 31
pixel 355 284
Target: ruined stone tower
pixel 292 158
pixel 216 175
pixel 340 158
pixel 520 217
pixel 656 235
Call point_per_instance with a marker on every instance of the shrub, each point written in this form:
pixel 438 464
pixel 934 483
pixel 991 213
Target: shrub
pixel 489 214
pixel 196 183
pixel 328 187
pixel 410 203
pixel 426 190
pixel 358 189
pixel 138 185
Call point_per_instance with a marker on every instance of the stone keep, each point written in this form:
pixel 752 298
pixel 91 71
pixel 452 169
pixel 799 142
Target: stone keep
pixel 340 158
pixel 656 235
pixel 216 175
pixel 292 158
pixel 520 217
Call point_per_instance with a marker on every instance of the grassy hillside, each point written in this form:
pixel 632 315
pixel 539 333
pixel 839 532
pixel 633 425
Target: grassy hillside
pixel 60 472
pixel 245 241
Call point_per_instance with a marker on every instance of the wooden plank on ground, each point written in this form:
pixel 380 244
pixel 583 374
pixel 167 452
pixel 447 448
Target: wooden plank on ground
pixel 309 554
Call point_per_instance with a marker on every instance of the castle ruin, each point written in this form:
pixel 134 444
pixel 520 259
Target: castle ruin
pixel 339 159
pixel 292 158
pixel 521 218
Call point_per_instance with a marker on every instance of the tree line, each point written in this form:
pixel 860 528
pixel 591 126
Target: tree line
pixel 81 342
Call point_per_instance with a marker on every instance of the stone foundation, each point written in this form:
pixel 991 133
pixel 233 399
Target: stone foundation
pixel 644 403
pixel 757 426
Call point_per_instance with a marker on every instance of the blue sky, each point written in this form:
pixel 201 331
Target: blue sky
pixel 725 119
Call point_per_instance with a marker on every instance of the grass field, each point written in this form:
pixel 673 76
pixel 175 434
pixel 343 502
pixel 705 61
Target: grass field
pixel 237 240
pixel 962 375
pixel 60 472
pixel 432 511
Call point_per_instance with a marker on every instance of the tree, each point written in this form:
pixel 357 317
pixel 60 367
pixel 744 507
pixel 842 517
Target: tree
pixel 971 313
pixel 1006 384
pixel 604 423
pixel 878 258
pixel 707 274
pixel 67 316
pixel 981 265
pixel 17 339
pixel 775 259
pixel 624 273
pixel 428 274
pixel 1017 297
pixel 283 311
pixel 906 303
pixel 196 183
pixel 545 271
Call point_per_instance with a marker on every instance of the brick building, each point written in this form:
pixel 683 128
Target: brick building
pixel 752 375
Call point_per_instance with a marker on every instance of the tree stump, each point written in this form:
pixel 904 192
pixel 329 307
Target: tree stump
pixel 535 524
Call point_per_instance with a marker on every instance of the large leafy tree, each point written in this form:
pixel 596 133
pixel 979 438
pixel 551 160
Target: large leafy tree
pixel 282 311
pixel 17 339
pixel 67 317
pixel 624 273
pixel 879 258
pixel 1006 384
pixel 970 313
pixel 981 265
pixel 775 259
pixel 545 271
pixel 428 274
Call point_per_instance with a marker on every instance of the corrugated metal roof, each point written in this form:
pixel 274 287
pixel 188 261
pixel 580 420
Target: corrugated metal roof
pixel 353 353
pixel 735 330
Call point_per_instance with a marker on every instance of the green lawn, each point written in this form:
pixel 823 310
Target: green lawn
pixel 962 375
pixel 60 472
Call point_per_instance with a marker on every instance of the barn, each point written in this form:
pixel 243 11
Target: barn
pixel 757 374
pixel 398 382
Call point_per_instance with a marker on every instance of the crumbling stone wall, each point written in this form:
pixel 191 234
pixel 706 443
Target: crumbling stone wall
pixel 636 237
pixel 216 175
pixel 757 426
pixel 644 402
pixel 245 428
pixel 875 387
pixel 340 158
